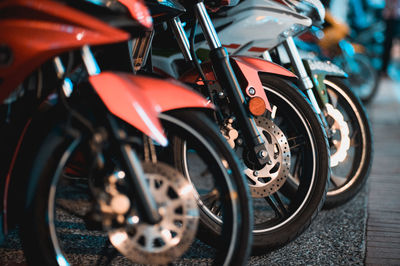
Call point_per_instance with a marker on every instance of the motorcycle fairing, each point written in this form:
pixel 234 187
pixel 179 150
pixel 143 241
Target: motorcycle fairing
pixel 138 100
pixel 45 29
pixel 243 29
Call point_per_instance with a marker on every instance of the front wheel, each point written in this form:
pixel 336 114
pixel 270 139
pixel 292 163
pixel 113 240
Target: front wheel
pixel 351 142
pixel 289 191
pixel 77 209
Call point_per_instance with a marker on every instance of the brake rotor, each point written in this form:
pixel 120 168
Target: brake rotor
pixel 340 138
pixel 167 240
pixel 271 176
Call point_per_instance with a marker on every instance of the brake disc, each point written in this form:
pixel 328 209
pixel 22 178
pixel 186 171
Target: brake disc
pixel 167 240
pixel 271 176
pixel 340 138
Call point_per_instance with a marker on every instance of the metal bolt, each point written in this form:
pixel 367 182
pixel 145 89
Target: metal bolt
pixel 98 137
pixel 262 153
pixel 255 173
pixel 269 162
pixel 252 91
pixel 221 94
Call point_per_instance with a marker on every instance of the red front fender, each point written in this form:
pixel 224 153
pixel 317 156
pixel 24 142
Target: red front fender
pixel 248 68
pixel 138 100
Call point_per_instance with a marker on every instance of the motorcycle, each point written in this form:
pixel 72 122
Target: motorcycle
pixel 269 124
pixel 343 115
pixel 334 43
pixel 85 174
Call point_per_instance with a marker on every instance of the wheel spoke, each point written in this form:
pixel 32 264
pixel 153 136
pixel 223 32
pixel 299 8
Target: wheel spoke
pixel 354 137
pixel 281 205
pixel 279 211
pixel 210 199
pixel 337 181
pixel 296 168
pixel 296 141
pixel 333 99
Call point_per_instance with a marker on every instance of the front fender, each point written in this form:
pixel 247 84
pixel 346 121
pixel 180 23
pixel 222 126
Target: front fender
pixel 250 67
pixel 326 68
pixel 138 100
pixel 248 70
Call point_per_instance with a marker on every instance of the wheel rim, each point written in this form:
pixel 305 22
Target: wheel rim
pixel 285 204
pixel 66 250
pixel 347 172
pixel 207 196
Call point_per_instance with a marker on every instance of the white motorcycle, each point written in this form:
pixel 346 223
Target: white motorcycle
pixel 265 28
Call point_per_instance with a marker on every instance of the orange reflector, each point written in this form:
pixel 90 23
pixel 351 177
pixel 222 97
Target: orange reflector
pixel 257 106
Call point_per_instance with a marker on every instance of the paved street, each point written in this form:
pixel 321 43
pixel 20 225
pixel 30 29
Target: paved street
pixel 365 230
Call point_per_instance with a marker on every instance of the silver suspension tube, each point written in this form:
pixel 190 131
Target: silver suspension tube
pixel 267 56
pixel 181 37
pixel 301 72
pixel 90 62
pixel 207 26
pixel 297 63
pixel 67 85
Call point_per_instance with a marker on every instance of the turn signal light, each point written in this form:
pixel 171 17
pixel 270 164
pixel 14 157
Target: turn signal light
pixel 257 106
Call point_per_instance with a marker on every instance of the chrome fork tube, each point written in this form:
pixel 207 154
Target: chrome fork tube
pixel 90 62
pixel 226 76
pixel 136 175
pixel 297 63
pixel 181 37
pixel 67 85
pixel 305 81
pixel 299 69
pixel 207 26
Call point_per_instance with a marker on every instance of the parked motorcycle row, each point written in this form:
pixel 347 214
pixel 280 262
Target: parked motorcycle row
pixel 185 132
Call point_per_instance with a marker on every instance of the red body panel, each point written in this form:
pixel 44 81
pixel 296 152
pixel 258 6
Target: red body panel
pixel 139 12
pixel 249 70
pixel 36 30
pixel 138 100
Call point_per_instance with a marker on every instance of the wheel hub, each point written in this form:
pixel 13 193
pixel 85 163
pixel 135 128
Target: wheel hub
pixel 269 178
pixel 167 240
pixel 340 140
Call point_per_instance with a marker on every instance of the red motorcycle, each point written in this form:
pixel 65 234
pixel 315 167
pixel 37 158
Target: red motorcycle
pixel 88 168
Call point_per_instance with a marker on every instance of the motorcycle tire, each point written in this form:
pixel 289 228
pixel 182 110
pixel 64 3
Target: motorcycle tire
pixel 56 227
pixel 351 143
pixel 302 202
pixel 309 169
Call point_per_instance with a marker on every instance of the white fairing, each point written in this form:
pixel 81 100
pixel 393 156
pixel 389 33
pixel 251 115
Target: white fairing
pixel 257 24
pixel 319 6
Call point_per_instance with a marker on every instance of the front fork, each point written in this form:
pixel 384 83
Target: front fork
pixel 305 82
pixel 227 78
pixel 139 188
